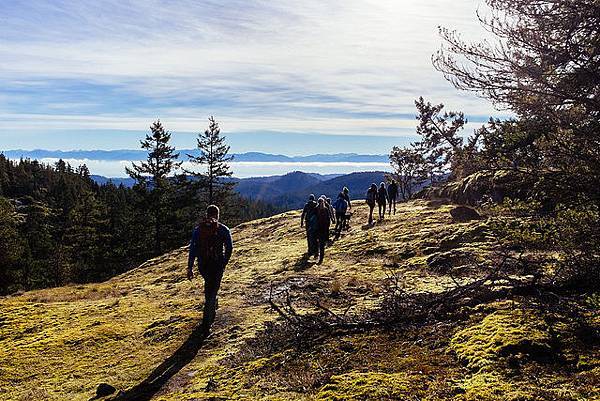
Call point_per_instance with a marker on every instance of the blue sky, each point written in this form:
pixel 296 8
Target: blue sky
pixel 280 76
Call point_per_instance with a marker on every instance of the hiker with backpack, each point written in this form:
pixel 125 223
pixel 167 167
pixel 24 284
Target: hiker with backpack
pixel 346 222
pixel 211 245
pixel 392 195
pixel 331 209
pixel 371 198
pixel 382 196
pixel 341 207
pixel 323 222
pixel 308 219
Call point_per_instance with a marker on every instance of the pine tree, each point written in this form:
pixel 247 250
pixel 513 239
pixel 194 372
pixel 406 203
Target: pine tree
pixel 214 155
pixel 160 163
pixel 11 245
pixel 87 238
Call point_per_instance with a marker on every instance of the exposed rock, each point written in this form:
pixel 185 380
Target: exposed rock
pixel 462 214
pixel 103 390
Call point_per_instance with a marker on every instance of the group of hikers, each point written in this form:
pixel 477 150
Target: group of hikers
pixel 318 214
pixel 382 196
pixel 212 245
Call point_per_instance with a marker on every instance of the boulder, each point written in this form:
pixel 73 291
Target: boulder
pixel 103 390
pixel 462 214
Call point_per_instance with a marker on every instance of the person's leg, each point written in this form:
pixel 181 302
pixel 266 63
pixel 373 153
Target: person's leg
pixel 212 282
pixel 308 240
pixel 394 200
pixel 338 224
pixel 322 241
pixel 314 243
pixel 371 207
pixel 383 206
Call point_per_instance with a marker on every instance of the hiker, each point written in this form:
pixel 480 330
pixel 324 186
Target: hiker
pixel 341 207
pixel 371 197
pixel 212 245
pixel 308 219
pixel 346 223
pixel 382 196
pixel 323 223
pixel 346 194
pixel 392 190
pixel 331 209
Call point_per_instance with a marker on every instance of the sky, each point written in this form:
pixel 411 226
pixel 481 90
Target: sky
pixel 280 76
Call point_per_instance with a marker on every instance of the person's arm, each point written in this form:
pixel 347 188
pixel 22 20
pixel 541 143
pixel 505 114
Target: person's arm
pixel 228 247
pixel 332 214
pixel 192 253
pixel 302 216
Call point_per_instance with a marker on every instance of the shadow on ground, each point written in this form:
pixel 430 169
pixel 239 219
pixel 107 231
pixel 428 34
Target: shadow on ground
pixel 161 374
pixel 303 263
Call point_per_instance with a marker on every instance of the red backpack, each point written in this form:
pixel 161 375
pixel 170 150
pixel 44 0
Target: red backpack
pixel 210 245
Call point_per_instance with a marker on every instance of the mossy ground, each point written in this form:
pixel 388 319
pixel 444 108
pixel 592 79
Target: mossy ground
pixel 58 344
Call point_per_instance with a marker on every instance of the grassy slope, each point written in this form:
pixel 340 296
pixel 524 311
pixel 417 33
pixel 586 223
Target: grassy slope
pixel 58 344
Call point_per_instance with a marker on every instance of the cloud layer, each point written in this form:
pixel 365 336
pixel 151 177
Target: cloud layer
pixel 329 67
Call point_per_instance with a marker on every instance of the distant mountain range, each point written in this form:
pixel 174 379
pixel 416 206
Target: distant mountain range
pixel 291 190
pixel 132 154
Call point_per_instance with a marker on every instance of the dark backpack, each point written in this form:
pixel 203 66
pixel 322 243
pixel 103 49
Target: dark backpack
pixel 371 195
pixel 210 245
pixel 311 215
pixel 323 217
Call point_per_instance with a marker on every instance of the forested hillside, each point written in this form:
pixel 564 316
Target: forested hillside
pixel 58 226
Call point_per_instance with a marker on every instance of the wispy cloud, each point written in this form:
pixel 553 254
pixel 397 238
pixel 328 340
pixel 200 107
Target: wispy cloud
pixel 330 67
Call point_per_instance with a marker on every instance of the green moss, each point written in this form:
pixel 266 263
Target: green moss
pixel 588 362
pixel 366 386
pixel 493 386
pixel 501 334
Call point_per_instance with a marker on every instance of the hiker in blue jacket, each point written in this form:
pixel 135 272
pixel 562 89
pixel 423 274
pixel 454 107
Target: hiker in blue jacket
pixel 212 245
pixel 341 207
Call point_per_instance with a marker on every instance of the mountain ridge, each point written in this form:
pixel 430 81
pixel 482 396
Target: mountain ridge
pixel 136 155
pixel 290 190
